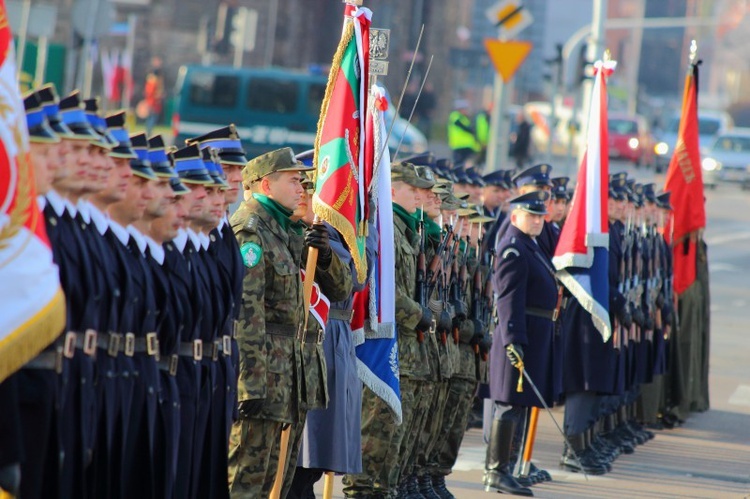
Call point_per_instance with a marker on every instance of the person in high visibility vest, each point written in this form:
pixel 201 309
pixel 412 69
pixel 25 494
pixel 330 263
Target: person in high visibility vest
pixel 482 127
pixel 461 134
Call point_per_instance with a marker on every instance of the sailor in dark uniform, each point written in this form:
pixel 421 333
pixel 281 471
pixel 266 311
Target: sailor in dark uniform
pixel 141 342
pixel 524 333
pixel 495 194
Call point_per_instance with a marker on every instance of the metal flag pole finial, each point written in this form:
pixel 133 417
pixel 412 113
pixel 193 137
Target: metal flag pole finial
pixel 693 51
pixel 607 55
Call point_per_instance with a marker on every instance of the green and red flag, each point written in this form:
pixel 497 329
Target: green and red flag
pixel 685 183
pixel 342 179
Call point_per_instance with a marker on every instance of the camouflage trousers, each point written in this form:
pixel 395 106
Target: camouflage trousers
pixel 433 432
pixel 455 418
pixel 381 442
pixel 415 439
pixel 253 457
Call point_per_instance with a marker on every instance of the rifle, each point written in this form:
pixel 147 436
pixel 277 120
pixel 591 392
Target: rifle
pixel 421 272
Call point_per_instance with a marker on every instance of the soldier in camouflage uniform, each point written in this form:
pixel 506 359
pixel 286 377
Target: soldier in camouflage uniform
pixel 381 440
pixel 433 393
pixel 270 318
pixel 334 280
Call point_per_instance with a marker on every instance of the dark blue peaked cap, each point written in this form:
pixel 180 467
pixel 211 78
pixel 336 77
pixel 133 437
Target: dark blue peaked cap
pixel 227 143
pixel 560 187
pixel 662 200
pixel 474 177
pixel 425 159
pixel 535 175
pixel 500 178
pixel 306 157
pixel 533 202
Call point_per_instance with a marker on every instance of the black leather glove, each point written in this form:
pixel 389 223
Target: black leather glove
pixel 666 314
pixel 660 300
pixel 648 323
pixel 317 237
pixel 638 318
pixel 460 309
pixel 425 323
pixel 626 320
pixel 515 354
pixel 479 326
pixel 485 345
pixel 444 323
pixel 250 408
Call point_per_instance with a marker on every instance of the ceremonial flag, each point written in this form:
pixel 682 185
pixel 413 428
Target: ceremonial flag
pixel 32 306
pixel 685 183
pixel 320 305
pixel 374 318
pixel 582 254
pixel 341 181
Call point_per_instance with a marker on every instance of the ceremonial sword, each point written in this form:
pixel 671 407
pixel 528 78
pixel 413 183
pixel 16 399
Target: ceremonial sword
pixel 519 388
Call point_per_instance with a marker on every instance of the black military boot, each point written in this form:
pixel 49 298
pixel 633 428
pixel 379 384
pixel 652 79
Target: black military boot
pixel 425 487
pixel 593 452
pixel 497 464
pixel 576 459
pixel 438 485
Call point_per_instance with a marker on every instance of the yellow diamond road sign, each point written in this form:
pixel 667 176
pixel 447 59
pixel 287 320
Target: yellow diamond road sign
pixel 507 56
pixel 510 17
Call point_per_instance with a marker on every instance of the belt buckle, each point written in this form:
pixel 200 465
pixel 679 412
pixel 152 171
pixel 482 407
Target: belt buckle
pixel 555 314
pixel 69 349
pixel 89 342
pixel 215 353
pixel 152 344
pixel 226 344
pixel 197 350
pixel 235 327
pixel 114 344
pixel 173 363
pixel 129 344
pixel 321 334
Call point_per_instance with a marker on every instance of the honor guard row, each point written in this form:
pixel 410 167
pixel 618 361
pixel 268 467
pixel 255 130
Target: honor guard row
pixel 137 395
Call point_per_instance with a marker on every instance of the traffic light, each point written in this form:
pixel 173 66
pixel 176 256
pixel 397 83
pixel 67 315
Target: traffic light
pixel 224 26
pixel 584 70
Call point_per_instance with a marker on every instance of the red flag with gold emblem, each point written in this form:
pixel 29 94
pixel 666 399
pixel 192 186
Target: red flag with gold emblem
pixel 32 306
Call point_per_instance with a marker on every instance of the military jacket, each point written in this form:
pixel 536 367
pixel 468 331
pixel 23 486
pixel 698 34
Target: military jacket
pixel 412 354
pixel 271 312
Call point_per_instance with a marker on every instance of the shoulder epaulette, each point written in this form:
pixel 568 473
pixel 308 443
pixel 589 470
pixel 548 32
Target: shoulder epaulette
pixel 251 223
pixel 510 251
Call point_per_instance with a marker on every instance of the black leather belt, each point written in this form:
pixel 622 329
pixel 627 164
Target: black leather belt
pixel 341 314
pixel 109 342
pixel 220 345
pixel 286 330
pixel 315 338
pixel 52 360
pixel 148 345
pixel 192 349
pixel 81 341
pixel 544 314
pixel 169 364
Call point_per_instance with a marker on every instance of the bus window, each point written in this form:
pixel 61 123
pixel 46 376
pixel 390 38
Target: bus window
pixel 272 95
pixel 315 95
pixel 213 90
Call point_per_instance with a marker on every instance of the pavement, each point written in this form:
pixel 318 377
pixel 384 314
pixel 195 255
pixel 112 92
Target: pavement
pixel 707 457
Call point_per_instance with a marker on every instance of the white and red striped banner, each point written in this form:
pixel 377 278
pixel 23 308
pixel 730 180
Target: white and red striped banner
pixel 319 303
pixel 32 306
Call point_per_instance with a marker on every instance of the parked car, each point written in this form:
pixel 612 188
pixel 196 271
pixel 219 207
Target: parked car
pixel 630 139
pixel 728 158
pixel 710 124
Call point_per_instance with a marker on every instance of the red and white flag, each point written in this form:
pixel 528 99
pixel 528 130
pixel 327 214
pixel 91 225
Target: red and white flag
pixel 320 305
pixel 32 305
